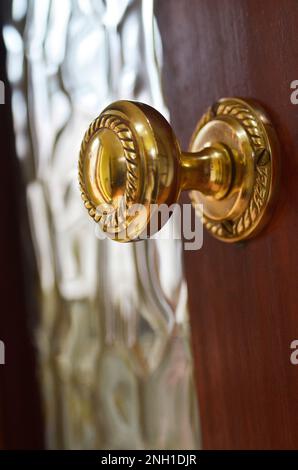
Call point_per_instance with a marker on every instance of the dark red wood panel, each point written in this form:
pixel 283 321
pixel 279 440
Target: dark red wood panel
pixel 243 298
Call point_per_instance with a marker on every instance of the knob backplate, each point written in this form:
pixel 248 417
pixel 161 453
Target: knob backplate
pixel 245 129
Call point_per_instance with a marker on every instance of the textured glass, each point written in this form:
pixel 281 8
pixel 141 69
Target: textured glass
pixel 113 339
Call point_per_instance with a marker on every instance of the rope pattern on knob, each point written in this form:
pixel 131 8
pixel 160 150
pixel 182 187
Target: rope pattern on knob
pixel 125 135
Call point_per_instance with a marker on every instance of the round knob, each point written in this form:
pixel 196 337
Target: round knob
pixel 131 163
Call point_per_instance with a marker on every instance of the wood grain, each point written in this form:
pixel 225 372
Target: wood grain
pixel 243 298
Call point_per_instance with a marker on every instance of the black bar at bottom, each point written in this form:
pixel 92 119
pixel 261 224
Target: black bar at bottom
pixel 137 458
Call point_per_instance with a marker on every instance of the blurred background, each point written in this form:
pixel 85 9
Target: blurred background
pixel 96 334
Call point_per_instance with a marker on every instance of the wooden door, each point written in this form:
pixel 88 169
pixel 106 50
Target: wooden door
pixel 243 297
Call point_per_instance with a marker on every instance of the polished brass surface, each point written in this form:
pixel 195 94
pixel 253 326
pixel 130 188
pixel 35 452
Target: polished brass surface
pixel 130 156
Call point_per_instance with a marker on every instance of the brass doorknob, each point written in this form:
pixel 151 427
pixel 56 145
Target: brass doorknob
pixel 130 156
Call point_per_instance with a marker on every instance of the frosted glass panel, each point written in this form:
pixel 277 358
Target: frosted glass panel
pixel 113 334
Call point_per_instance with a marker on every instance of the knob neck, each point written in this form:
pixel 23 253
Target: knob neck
pixel 208 171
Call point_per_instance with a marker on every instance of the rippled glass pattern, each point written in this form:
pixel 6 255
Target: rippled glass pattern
pixel 113 336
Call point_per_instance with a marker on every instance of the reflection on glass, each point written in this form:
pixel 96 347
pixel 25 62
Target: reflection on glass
pixel 113 340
